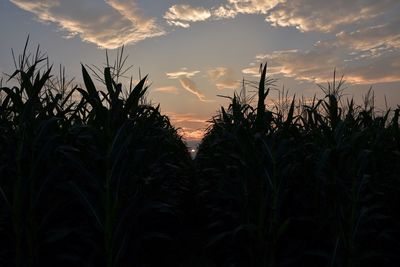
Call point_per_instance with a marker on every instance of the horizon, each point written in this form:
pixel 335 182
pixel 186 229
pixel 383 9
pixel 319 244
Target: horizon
pixel 195 51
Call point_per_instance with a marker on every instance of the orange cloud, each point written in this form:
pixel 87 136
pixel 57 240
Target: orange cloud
pixel 224 78
pixel 191 87
pixel 191 125
pixel 182 73
pixel 186 118
pixel 254 71
pixel 192 134
pixel 166 89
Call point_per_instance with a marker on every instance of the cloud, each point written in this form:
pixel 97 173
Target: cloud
pixel 367 38
pixel 167 90
pixel 224 78
pixel 191 125
pixel 186 118
pixel 181 73
pixel 313 65
pixel 308 15
pixel 107 24
pixel 234 7
pixel 372 70
pixel 253 6
pixel 178 24
pixel 180 15
pixel 227 84
pixel 131 11
pixel 223 12
pixel 192 134
pixel 217 73
pixel 254 71
pixel 190 86
pixel 366 53
pixel 317 63
pixel 365 45
pixel 262 58
pixel 326 16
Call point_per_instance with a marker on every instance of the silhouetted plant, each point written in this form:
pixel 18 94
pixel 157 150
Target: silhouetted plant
pixel 96 176
pixel 86 182
pixel 301 186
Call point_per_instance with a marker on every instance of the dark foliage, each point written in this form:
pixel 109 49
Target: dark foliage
pixel 316 188
pixel 96 177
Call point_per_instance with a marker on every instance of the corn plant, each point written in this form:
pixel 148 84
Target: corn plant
pixel 94 175
pixel 89 180
pixel 301 185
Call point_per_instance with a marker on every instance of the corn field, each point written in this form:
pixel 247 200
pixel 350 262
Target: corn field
pixel 99 177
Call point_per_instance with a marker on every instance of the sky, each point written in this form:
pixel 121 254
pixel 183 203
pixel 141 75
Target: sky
pixel 196 50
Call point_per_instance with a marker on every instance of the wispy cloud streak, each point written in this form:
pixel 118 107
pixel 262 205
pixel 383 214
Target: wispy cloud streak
pixel 167 90
pixel 191 87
